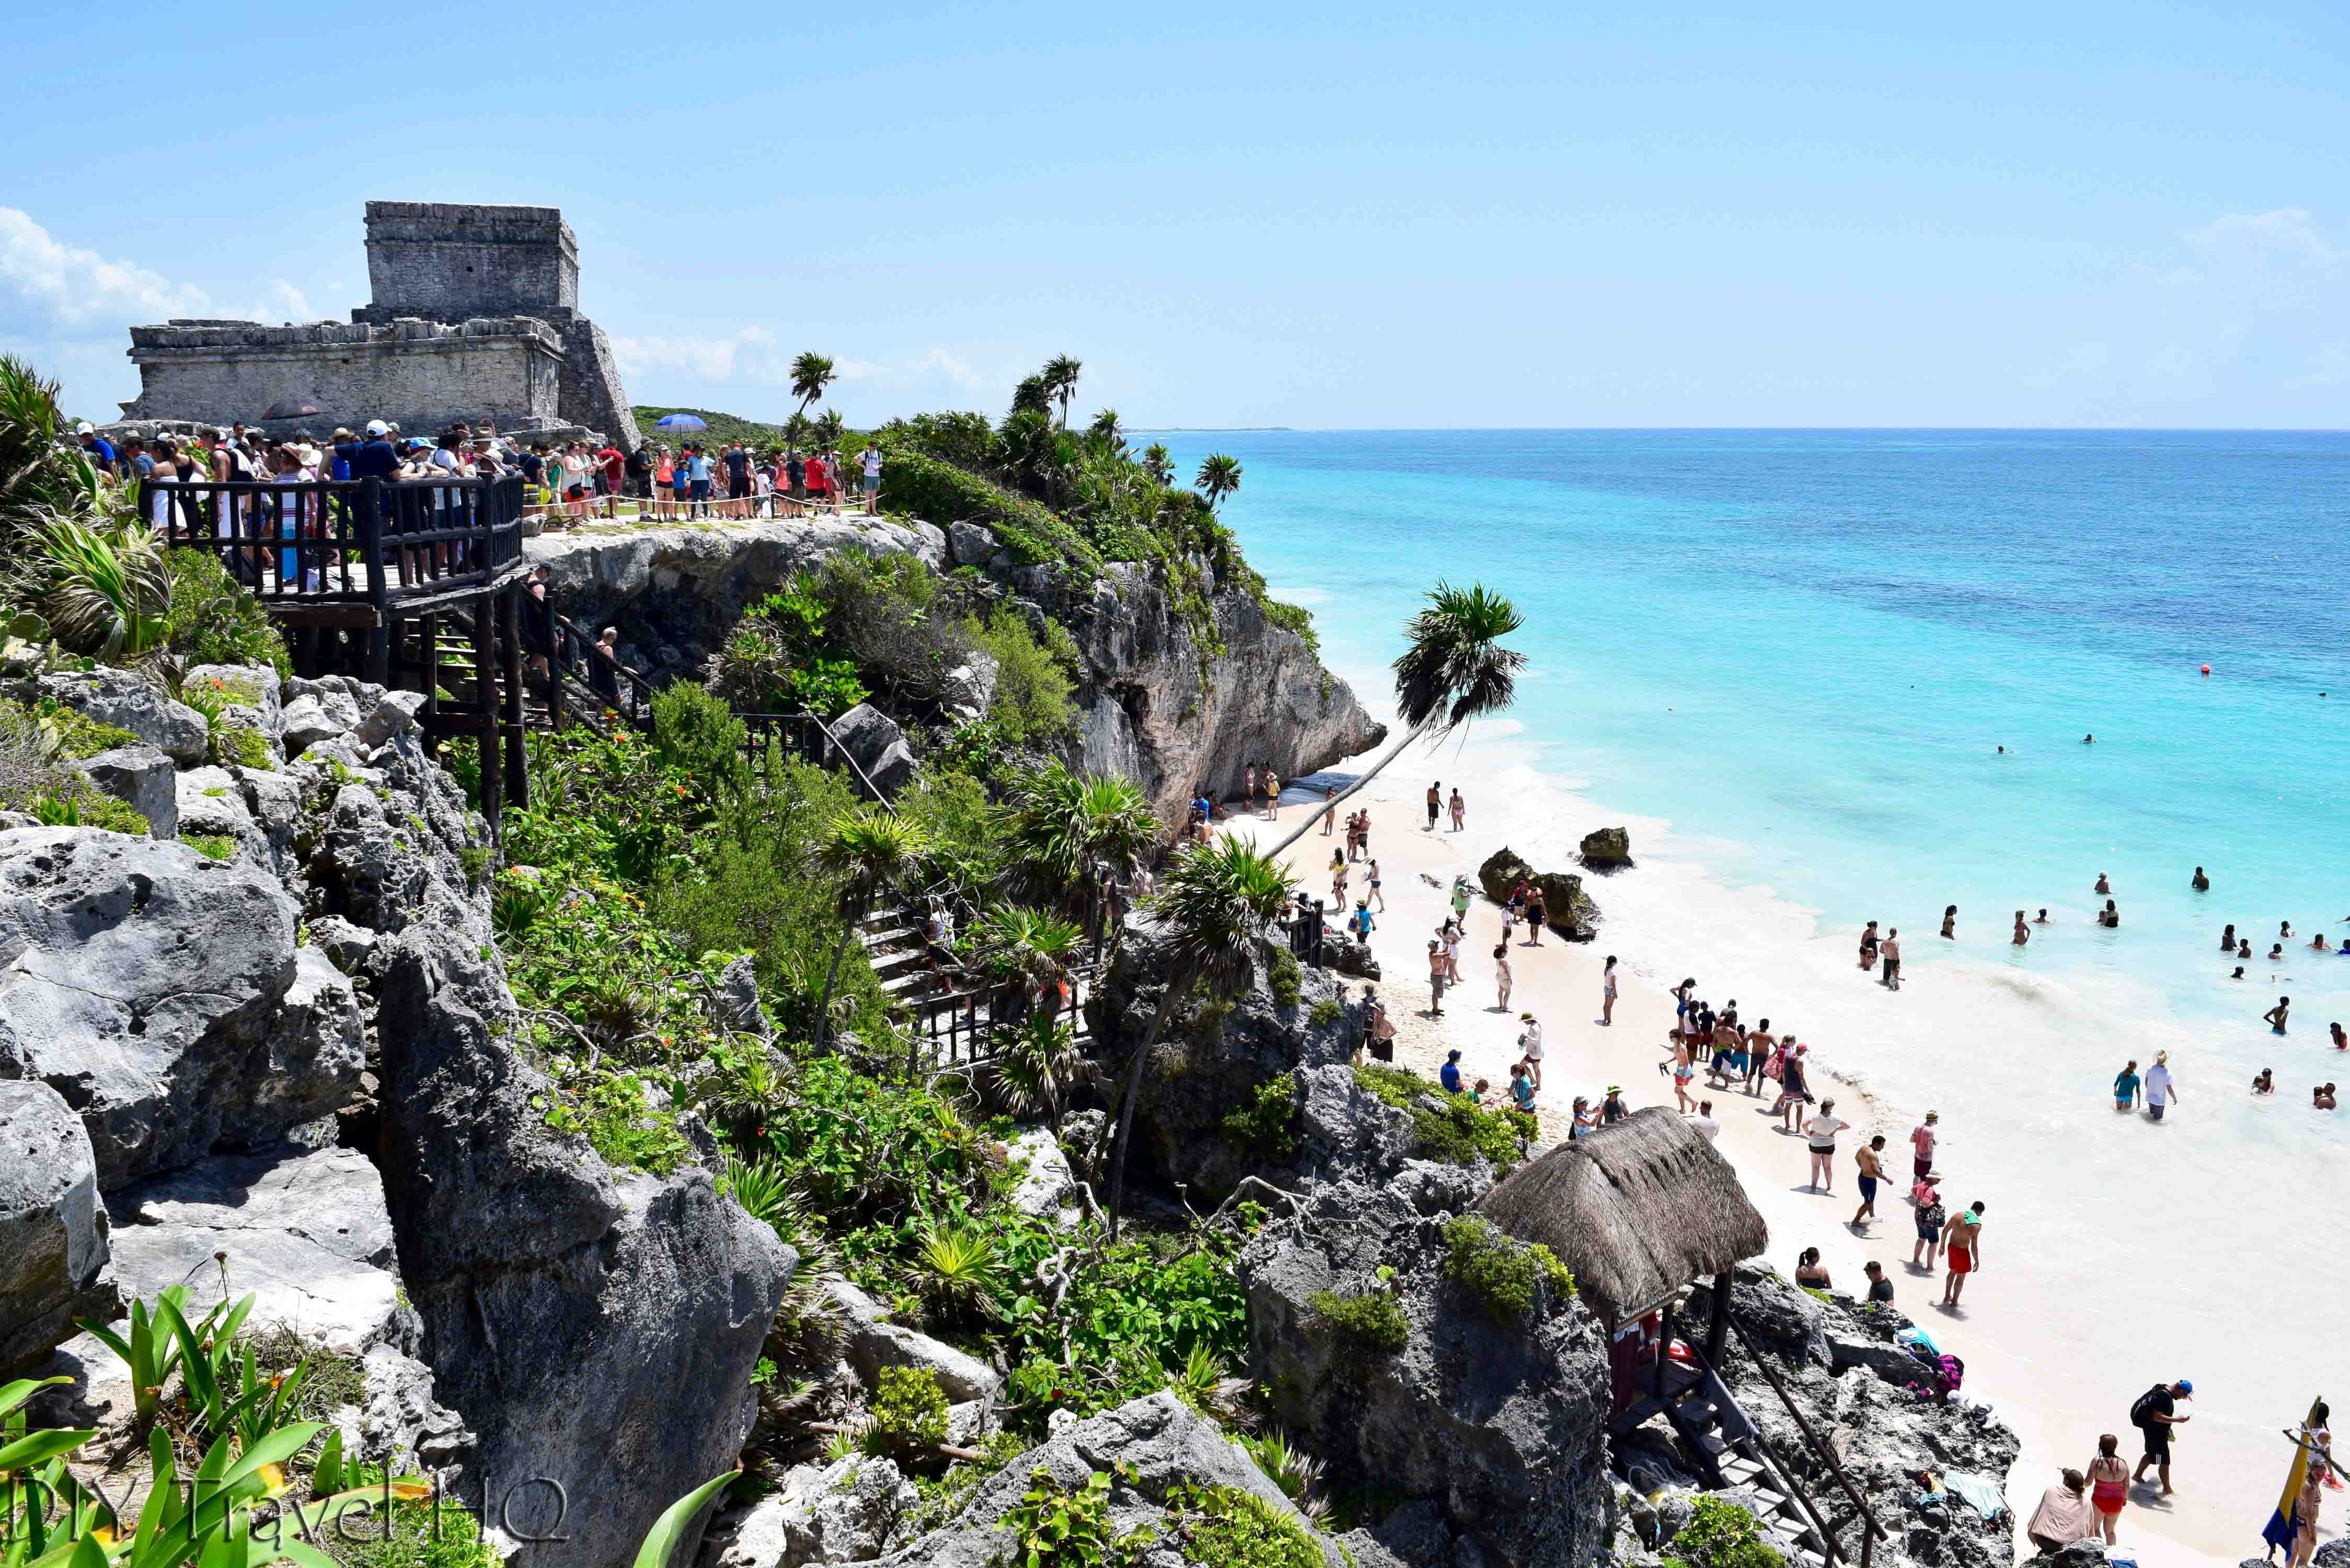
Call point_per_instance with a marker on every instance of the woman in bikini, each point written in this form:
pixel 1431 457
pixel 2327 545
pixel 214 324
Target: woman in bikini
pixel 1868 947
pixel 1951 923
pixel 2109 1486
pixel 2022 930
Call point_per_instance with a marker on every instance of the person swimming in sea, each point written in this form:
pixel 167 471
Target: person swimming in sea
pixel 2088 740
pixel 2109 917
pixel 2317 943
pixel 2238 974
pixel 2264 1082
pixel 1951 923
pixel 2244 947
pixel 2275 1016
pixel 2227 940
pixel 2200 883
pixel 2022 931
pixel 2103 886
pixel 2341 1040
pixel 2276 952
pixel 2320 1098
pixel 2043 917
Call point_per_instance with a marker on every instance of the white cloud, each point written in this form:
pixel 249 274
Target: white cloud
pixel 2287 231
pixel 62 285
pixel 752 356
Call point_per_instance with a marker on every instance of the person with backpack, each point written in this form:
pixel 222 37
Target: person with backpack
pixel 1931 1218
pixel 2155 1412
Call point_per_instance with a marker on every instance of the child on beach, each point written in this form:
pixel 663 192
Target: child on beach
pixel 1502 974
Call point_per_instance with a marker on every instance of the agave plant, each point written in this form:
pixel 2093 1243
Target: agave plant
pixel 959 1269
pixel 41 471
pixel 1035 1064
pixel 1297 1473
pixel 764 1191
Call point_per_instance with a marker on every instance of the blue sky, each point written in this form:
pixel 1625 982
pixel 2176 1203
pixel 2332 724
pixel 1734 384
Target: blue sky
pixel 1471 215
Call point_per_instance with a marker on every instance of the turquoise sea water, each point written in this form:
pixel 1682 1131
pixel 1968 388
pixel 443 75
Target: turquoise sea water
pixel 1811 644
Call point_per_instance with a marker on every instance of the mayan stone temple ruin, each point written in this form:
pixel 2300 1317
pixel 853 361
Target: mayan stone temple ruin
pixel 474 316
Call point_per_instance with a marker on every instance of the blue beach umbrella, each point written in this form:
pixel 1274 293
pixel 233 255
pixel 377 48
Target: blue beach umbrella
pixel 680 423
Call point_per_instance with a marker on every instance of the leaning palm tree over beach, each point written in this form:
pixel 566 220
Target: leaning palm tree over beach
pixel 1216 901
pixel 811 374
pixel 872 848
pixel 1061 380
pixel 1453 669
pixel 1218 477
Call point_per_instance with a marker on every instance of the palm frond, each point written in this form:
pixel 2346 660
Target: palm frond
pixel 1454 669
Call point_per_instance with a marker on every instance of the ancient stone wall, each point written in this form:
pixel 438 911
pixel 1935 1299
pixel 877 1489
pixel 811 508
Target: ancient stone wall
pixel 446 261
pixel 422 374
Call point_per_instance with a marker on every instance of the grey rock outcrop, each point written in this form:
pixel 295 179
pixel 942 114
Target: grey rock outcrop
pixel 304 1231
pixel 595 1328
pixel 1048 1189
pixel 1607 849
pixel 1566 908
pixel 142 777
pixel 398 1422
pixel 844 1511
pixel 1166 1445
pixel 736 1005
pixel 880 746
pixel 128 700
pixel 874 1343
pixel 54 1247
pixel 1502 1424
pixel 149 985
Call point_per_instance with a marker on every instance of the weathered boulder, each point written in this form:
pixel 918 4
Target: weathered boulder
pixel 149 986
pixel 142 777
pixel 596 1329
pixel 1165 1445
pixel 1566 908
pixel 1047 1191
pixel 844 1511
pixel 394 713
pixel 304 1231
pixel 318 711
pixel 1500 873
pixel 253 688
pixel 736 1003
pixel 396 1421
pixel 211 801
pixel 969 686
pixel 1504 1423
pixel 128 700
pixel 874 1343
pixel 970 543
pixel 873 738
pixel 1607 849
pixel 52 1229
pixel 1210 1062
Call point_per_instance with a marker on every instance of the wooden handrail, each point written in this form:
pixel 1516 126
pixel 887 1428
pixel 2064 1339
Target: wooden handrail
pixel 1835 1467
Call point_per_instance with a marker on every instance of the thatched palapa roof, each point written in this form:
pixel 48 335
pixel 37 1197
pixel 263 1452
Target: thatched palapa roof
pixel 1635 1211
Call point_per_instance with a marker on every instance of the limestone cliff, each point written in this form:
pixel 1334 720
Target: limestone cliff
pixel 1158 700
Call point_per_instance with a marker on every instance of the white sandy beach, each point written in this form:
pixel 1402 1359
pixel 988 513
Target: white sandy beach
pixel 2072 1314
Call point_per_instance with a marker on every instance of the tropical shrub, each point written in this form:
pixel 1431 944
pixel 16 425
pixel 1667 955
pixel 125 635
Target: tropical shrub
pixel 612 1116
pixel 1503 1271
pixel 1267 1125
pixel 1058 1528
pixel 212 619
pixel 1283 978
pixel 1721 1535
pixel 1032 685
pixel 908 1418
pixel 1228 1528
pixel 103 586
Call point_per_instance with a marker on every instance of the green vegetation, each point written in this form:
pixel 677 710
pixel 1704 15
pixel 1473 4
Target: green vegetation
pixel 908 1416
pixel 1501 1270
pixel 1058 1528
pixel 211 845
pixel 211 620
pixel 1267 1125
pixel 1222 1527
pixel 1370 1318
pixel 1324 1013
pixel 1284 977
pixel 614 1118
pixel 1721 1535
pixel 1450 1128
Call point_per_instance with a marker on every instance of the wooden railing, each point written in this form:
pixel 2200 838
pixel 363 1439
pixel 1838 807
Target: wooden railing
pixel 1821 1451
pixel 364 543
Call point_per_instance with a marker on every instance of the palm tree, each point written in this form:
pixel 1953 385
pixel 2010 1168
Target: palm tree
pixel 811 374
pixel 871 848
pixel 1065 824
pixel 1218 477
pixel 1032 396
pixel 1216 900
pixel 1036 1063
pixel 1105 429
pixel 827 428
pixel 1034 945
pixel 1159 462
pixel 1452 669
pixel 1060 376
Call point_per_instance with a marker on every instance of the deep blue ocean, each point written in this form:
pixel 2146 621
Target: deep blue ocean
pixel 1809 645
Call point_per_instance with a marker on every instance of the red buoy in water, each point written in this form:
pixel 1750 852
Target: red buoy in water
pixel 2207 670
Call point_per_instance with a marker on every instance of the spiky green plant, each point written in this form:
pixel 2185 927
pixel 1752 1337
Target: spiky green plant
pixel 959 1268
pixel 1065 824
pixel 870 848
pixel 106 590
pixel 1035 1064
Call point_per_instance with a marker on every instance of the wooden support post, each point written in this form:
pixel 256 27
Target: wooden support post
pixel 510 644
pixel 429 627
pixel 1717 1334
pixel 486 705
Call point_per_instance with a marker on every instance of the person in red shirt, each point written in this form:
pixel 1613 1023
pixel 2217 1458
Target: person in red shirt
pixel 613 468
pixel 819 479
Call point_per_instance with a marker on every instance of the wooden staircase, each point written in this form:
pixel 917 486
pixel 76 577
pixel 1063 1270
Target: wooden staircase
pixel 1730 1454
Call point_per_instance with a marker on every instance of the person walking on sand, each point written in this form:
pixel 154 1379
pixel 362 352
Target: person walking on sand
pixel 1747 1057
pixel 1460 899
pixel 2022 930
pixel 2155 1412
pixel 1460 809
pixel 1337 877
pixel 1820 1132
pixel 2109 1486
pixel 1793 1096
pixel 1892 951
pixel 2161 1094
pixel 1922 1138
pixel 1930 1220
pixel 2305 1509
pixel 2275 1016
pixel 2125 1086
pixel 1871 1160
pixel 1438 976
pixel 1371 883
pixel 1530 1045
pixel 1962 1251
pixel 1435 804
pixel 1271 795
pixel 1330 812
pixel 1868 946
pixel 1684 1072
pixel 1501 978
pixel 1607 993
